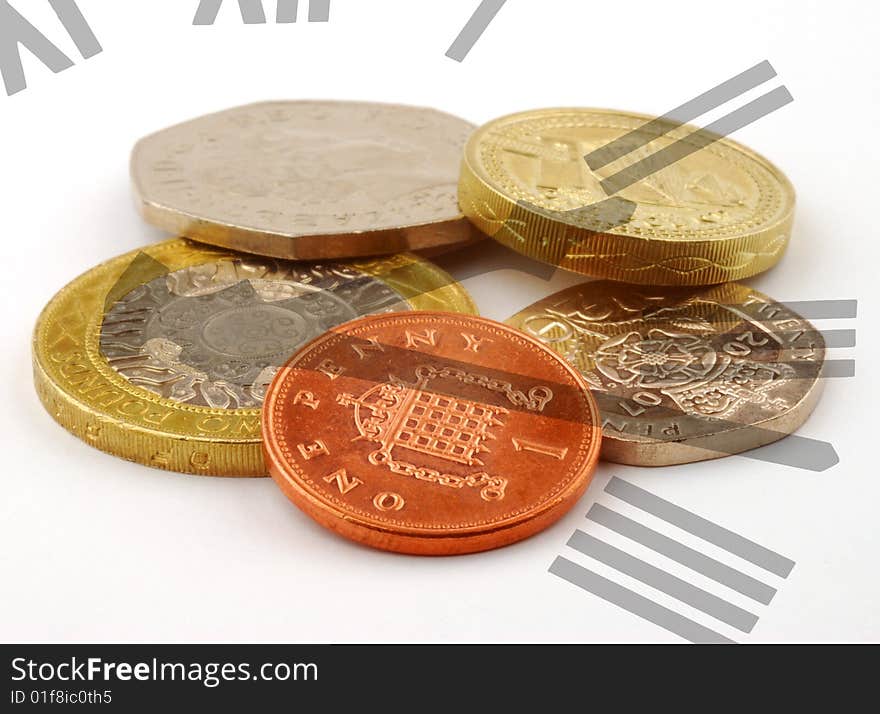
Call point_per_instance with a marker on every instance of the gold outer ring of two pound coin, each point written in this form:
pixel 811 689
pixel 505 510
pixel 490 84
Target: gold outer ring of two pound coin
pixel 93 401
pixel 722 213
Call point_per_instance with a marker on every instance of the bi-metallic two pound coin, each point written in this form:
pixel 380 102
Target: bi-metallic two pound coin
pixel 163 356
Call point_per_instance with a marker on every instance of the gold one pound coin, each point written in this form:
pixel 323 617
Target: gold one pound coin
pixel 720 213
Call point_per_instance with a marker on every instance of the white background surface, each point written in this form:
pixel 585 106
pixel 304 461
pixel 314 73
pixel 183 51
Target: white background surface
pixel 96 549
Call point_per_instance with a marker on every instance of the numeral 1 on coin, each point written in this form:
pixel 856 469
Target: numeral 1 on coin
pixel 523 445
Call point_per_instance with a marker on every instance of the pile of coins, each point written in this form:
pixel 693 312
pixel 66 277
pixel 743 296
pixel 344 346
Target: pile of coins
pixel 298 329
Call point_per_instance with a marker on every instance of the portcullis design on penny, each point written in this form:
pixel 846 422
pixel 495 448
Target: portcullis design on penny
pixel 430 433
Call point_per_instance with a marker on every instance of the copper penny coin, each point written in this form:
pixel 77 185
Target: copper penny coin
pixel 430 433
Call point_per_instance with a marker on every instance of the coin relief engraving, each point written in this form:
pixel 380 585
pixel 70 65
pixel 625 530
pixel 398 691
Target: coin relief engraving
pixel 312 450
pixel 215 334
pixel 343 481
pixel 718 214
pixel 409 417
pixel 653 366
pixel 541 160
pixel 670 365
pixel 307 399
pixel 308 179
pixel 450 455
pixel 170 368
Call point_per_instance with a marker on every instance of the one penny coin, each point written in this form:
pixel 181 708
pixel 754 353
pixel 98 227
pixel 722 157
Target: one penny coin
pixel 430 433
